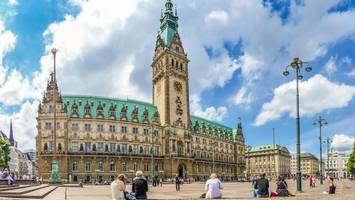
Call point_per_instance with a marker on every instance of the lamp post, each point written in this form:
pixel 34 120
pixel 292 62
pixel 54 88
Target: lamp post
pixel 297 65
pixel 152 154
pixel 55 175
pixel 320 122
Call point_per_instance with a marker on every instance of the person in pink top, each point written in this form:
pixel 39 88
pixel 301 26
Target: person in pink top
pixel 213 187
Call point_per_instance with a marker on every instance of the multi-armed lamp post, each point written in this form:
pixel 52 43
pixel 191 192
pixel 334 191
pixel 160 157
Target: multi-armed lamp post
pixel 320 122
pixel 297 65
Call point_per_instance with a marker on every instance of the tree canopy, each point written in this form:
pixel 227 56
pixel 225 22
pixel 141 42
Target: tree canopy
pixel 4 152
pixel 351 162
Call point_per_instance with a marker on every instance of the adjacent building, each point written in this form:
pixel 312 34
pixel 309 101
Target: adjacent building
pixel 98 137
pixel 335 164
pixel 20 165
pixel 273 160
pixel 309 164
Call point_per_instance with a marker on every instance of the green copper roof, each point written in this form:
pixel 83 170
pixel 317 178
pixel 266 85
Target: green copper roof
pixel 267 147
pixel 169 24
pixel 94 101
pixel 209 123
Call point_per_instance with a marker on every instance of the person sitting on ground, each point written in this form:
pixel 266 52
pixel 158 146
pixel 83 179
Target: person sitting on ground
pixel 331 184
pixel 263 186
pixel 6 176
pixel 213 187
pixel 281 189
pixel 140 186
pixel 118 187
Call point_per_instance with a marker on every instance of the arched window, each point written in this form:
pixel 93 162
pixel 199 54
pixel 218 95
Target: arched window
pixel 172 62
pixel 141 150
pixel 180 66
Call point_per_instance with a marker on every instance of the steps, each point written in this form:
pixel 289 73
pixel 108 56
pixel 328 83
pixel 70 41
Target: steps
pixel 28 191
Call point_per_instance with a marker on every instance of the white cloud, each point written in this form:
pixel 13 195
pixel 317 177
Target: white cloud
pixel 211 113
pixel 343 143
pixel 24 124
pixel 217 16
pixel 351 73
pixel 330 66
pixel 7 43
pixel 316 95
pixel 13 2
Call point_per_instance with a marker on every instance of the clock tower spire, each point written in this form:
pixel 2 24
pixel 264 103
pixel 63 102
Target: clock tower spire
pixel 170 72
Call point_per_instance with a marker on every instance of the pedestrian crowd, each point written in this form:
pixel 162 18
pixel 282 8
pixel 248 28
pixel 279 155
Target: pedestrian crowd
pixel 213 187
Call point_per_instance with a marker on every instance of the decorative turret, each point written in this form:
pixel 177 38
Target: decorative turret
pixel 169 24
pixel 239 136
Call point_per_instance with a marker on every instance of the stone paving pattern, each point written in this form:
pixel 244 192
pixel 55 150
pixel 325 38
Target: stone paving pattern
pixel 345 191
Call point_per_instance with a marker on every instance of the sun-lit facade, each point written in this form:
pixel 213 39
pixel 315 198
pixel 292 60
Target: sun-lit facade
pixel 98 137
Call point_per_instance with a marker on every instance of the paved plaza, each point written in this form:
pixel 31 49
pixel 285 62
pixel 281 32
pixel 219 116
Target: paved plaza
pixel 345 190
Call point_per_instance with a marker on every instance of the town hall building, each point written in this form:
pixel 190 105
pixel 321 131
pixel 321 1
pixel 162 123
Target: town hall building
pixel 94 138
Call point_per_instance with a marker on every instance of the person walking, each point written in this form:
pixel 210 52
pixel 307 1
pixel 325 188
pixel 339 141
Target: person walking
pixel 255 188
pixel 263 186
pixel 177 183
pixel 161 182
pixel 118 187
pixel 213 187
pixel 140 186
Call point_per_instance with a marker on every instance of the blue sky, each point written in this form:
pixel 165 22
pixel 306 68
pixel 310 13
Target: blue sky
pixel 106 48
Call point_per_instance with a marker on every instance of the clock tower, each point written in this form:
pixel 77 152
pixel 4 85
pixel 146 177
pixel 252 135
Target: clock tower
pixel 170 73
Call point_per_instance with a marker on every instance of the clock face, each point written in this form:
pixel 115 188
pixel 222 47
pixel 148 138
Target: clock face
pixel 178 86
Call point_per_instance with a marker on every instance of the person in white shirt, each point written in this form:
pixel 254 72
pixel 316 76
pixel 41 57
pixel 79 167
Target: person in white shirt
pixel 213 187
pixel 118 187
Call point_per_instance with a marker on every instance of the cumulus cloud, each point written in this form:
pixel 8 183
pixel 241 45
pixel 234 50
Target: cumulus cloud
pixel 211 113
pixel 316 95
pixel 24 124
pixel 342 143
pixel 351 73
pixel 330 66
pixel 217 16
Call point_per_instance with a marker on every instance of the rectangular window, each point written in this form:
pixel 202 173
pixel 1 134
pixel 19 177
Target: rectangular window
pixel 101 165
pixel 58 125
pixel 124 148
pixel 75 146
pixel 146 167
pixel 124 129
pixel 156 133
pixel 146 150
pixel 87 166
pixel 135 130
pixel 135 149
pixel 87 127
pixel 100 147
pixel 74 127
pixel 48 125
pixel 87 147
pixel 146 131
pixel 112 148
pixel 112 128
pixel 50 145
pixel 100 128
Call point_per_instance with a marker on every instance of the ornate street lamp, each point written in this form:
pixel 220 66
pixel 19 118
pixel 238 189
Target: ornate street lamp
pixel 320 122
pixel 297 65
pixel 55 175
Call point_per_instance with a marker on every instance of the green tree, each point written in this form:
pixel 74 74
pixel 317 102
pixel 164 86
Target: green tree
pixel 351 162
pixel 4 152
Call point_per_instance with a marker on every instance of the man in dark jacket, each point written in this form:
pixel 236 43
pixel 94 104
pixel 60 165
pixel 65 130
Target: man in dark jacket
pixel 177 183
pixel 263 186
pixel 140 186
